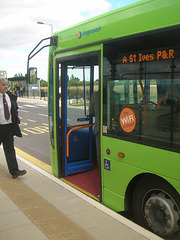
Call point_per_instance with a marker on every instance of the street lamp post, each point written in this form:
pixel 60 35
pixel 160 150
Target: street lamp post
pixel 47 24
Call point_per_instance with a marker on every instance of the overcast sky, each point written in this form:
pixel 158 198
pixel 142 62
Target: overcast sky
pixel 20 33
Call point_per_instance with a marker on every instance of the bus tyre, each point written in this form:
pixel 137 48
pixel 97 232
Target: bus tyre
pixel 156 207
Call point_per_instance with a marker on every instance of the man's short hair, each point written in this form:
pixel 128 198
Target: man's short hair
pixel 2 80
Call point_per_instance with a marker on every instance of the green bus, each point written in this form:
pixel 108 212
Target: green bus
pixel 131 56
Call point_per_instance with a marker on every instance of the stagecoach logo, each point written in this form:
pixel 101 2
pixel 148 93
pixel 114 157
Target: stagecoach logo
pixel 88 32
pixel 79 34
pixel 127 120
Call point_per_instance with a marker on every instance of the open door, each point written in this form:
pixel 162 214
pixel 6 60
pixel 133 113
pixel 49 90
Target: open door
pixel 78 79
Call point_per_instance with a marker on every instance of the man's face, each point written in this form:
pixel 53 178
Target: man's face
pixel 3 86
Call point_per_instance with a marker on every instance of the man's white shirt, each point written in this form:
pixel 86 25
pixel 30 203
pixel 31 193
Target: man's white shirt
pixel 2 116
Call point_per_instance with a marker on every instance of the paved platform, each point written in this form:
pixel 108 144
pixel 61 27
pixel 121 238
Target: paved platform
pixel 40 206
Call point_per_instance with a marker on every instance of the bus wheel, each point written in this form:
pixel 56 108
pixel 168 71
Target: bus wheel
pixel 156 206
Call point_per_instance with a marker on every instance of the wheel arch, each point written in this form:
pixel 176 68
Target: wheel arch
pixel 135 181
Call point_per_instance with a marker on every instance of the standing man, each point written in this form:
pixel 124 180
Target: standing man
pixel 94 110
pixel 9 126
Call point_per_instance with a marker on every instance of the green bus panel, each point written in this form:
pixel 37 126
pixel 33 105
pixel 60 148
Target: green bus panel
pixel 138 159
pixel 139 17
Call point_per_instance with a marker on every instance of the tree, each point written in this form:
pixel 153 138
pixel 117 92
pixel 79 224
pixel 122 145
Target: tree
pixel 18 75
pixel 73 81
pixel 43 83
pixel 73 78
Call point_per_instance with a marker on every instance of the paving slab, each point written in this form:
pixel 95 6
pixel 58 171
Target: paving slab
pixel 40 206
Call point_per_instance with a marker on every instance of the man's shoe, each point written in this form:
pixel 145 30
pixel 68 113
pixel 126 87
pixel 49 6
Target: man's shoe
pixel 19 173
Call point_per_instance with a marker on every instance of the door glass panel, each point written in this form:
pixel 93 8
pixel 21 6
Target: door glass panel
pixel 78 93
pixel 51 105
pixel 78 79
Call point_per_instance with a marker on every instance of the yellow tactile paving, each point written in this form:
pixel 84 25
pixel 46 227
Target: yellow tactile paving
pixel 34 160
pixel 46 217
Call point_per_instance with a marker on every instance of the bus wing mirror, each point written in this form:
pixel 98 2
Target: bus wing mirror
pixel 32 75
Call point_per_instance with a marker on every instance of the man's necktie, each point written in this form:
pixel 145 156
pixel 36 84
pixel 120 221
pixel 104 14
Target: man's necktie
pixel 6 108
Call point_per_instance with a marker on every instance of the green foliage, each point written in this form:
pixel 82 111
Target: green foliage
pixel 43 83
pixel 18 75
pixel 74 81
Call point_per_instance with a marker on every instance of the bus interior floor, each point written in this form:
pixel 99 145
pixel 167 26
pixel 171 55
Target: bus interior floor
pixel 88 181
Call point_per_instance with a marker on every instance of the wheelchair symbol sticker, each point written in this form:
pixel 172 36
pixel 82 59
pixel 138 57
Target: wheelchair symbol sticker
pixel 107 165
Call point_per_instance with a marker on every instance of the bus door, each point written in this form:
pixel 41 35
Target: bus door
pixel 77 141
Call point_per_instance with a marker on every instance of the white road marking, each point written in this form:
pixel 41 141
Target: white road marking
pixel 19 110
pixel 31 106
pixel 44 115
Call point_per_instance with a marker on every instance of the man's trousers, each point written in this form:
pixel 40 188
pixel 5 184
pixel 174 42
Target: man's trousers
pixel 7 138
